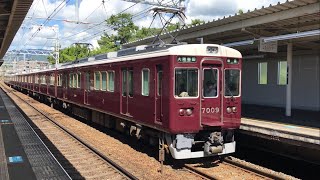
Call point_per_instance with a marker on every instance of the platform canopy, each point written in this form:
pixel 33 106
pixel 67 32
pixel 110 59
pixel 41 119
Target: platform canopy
pixel 244 31
pixel 12 14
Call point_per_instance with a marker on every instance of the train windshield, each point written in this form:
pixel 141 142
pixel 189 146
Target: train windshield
pixel 186 82
pixel 232 82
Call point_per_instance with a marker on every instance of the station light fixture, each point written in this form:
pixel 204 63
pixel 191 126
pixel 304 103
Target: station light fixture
pixel 293 36
pixel 239 43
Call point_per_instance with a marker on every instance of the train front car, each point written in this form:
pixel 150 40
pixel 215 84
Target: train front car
pixel 205 106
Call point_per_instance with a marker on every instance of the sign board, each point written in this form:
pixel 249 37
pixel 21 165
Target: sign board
pixel 268 46
pixel 16 159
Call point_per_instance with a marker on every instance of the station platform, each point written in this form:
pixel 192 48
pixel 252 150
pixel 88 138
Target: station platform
pixel 22 153
pixel 297 136
pixel 273 114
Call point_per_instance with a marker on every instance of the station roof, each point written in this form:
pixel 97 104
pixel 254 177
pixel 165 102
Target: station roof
pixel 12 14
pixel 293 16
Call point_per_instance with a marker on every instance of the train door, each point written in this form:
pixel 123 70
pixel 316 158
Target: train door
pixel 211 96
pixel 158 94
pixel 86 87
pixel 65 86
pixel 126 90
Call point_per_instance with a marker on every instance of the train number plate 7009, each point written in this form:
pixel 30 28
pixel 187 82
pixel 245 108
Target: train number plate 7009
pixel 210 110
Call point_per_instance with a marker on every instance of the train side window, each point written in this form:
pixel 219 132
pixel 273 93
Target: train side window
pixel 70 80
pixel 97 80
pixel 110 81
pixel 75 80
pixel 130 83
pixel 104 81
pixel 43 79
pixel 59 80
pixel 124 82
pixel 145 82
pixel 52 79
pixel 36 79
pixel 79 80
pixel 159 83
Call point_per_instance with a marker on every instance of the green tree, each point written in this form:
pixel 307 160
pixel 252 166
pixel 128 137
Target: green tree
pixel 71 53
pixel 173 26
pixel 108 43
pixel 146 32
pixel 196 22
pixel 124 25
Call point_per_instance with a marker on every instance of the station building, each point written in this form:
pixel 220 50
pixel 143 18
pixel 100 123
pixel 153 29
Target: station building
pixel 280 45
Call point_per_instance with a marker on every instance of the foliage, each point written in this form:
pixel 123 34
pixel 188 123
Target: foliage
pixel 124 25
pixel 196 22
pixel 70 54
pixel 126 31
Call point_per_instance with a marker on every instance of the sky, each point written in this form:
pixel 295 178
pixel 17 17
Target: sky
pixel 37 32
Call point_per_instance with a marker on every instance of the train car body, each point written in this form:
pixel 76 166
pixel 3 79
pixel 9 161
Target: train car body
pixel 188 94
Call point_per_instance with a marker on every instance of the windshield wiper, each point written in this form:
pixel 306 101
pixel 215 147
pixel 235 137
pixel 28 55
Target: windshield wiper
pixel 228 89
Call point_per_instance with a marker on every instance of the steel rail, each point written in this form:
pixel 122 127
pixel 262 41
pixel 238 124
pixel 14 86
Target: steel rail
pixel 198 172
pixel 118 167
pixel 231 161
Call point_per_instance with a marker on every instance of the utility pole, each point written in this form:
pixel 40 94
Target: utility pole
pixel 56 47
pixel 77 11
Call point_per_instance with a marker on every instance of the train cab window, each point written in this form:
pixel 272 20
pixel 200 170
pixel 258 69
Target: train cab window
pixel 210 85
pixel 186 82
pixel 130 82
pixel 97 80
pixel 104 81
pixel 111 81
pixel 145 82
pixel 232 82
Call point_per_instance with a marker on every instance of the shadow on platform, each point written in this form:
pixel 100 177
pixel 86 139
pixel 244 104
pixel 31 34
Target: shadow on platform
pixel 276 114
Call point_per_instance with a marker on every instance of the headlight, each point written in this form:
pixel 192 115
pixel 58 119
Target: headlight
pixel 229 110
pixel 234 109
pixel 181 112
pixel 189 112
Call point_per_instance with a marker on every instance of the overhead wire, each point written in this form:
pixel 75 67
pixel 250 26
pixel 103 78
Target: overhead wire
pixel 141 12
pixel 99 33
pixel 54 12
pixel 102 3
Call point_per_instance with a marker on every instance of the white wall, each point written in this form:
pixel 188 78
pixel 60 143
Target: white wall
pixel 305 84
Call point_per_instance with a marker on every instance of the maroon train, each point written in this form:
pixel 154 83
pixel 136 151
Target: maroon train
pixel 189 95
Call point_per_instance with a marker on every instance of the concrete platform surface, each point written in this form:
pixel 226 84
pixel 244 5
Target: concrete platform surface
pixel 23 155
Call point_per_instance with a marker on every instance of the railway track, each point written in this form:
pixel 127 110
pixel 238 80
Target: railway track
pixel 242 170
pixel 144 167
pixel 78 158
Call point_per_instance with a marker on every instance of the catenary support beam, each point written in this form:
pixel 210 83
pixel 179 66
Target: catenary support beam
pixel 289 78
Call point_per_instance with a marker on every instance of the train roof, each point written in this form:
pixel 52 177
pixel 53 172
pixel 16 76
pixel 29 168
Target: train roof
pixel 142 52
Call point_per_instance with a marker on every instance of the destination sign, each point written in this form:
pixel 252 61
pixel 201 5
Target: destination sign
pixel 186 59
